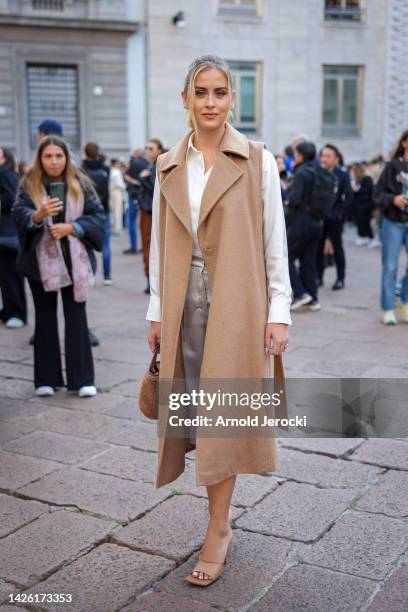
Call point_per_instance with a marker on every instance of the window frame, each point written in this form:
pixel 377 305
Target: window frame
pixel 255 127
pixel 237 8
pixel 343 15
pixel 342 130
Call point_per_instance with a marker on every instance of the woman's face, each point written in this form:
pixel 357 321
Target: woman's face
pixel 152 151
pixel 212 101
pixel 53 161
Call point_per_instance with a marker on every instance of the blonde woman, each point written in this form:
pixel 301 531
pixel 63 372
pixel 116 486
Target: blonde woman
pixel 220 289
pixel 57 239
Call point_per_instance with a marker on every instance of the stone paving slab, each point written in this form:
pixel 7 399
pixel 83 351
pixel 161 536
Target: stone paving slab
pixel 11 388
pixel 125 463
pixel 12 409
pixel 394 595
pixel 105 579
pixel 324 471
pixel 166 602
pixel 12 431
pixel 110 374
pixel 297 511
pixel 334 447
pixel 79 423
pixel 174 539
pixel 142 436
pixel 367 545
pixel 16 370
pixel 15 512
pixel 386 453
pixel 253 561
pixel 128 389
pixel 35 550
pixel 315 589
pixel 388 496
pixel 120 499
pixel 18 470
pixel 56 447
pixel 6 588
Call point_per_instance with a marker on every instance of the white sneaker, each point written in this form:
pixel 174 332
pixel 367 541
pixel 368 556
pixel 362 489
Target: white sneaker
pixel 302 301
pixel 44 391
pixel 374 244
pixel 315 306
pixel 402 310
pixel 89 391
pixel 389 317
pixel 107 282
pixel 14 323
pixel 362 241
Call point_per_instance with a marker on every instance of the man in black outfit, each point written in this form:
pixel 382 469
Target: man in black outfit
pixel 333 226
pixel 137 164
pixel 304 229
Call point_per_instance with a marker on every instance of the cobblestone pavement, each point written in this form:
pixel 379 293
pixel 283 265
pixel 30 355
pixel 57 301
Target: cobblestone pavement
pixel 79 512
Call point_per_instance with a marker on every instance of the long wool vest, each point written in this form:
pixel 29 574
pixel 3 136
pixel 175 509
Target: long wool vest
pixel 231 240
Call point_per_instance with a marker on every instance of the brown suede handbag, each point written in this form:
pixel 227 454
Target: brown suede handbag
pixel 149 389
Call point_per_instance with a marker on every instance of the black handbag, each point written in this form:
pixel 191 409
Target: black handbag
pixel 8 233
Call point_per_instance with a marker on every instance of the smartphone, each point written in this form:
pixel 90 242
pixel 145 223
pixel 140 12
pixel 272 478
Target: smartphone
pixel 57 190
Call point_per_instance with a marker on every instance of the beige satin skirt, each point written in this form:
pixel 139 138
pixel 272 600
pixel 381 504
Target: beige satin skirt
pixel 193 329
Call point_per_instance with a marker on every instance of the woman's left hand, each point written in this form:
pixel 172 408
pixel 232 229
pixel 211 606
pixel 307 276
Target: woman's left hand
pixel 60 230
pixel 276 338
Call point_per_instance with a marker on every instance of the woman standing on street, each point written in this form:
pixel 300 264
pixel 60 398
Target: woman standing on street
pixel 57 239
pixel 220 289
pixel 391 195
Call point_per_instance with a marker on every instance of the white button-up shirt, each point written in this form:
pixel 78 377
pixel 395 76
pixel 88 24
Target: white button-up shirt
pixel 274 234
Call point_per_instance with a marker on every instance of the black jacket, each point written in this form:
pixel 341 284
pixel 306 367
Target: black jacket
pixel 299 195
pixel 99 175
pixel 8 190
pixel 146 196
pixel 389 185
pixel 91 221
pixel 364 196
pixel 344 202
pixel 135 168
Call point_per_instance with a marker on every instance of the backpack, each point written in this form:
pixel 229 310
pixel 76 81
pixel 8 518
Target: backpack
pixel 323 193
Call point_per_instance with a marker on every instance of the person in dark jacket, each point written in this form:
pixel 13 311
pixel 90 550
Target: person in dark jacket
pixel 137 164
pixel 57 243
pixel 304 230
pixel 147 179
pixel 14 310
pixel 363 196
pixel 94 166
pixel 391 195
pixel 330 158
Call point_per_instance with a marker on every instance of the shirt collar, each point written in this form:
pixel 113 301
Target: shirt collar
pixel 190 147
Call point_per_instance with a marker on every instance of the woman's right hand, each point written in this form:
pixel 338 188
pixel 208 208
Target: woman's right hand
pixel 154 335
pixel 51 208
pixel 400 201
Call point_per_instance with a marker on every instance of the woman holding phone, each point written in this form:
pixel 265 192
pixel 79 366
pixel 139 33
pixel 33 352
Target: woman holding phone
pixel 60 223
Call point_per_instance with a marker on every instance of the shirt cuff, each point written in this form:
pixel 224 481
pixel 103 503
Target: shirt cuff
pixel 34 226
pixel 79 230
pixel 153 312
pixel 279 311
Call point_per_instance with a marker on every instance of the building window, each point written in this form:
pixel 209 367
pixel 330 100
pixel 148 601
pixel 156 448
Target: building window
pixel 249 8
pixel 343 10
pixel 52 92
pixel 47 5
pixel 341 100
pixel 246 81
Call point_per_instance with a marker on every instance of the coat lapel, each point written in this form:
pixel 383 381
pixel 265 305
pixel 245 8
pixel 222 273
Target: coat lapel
pixel 175 190
pixel 224 174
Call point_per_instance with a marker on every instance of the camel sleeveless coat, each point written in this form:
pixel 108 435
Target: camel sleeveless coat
pixel 231 241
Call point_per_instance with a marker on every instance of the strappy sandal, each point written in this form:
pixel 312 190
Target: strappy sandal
pixel 213 569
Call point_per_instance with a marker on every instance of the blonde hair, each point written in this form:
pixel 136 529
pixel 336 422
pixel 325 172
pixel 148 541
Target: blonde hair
pixel 203 62
pixel 34 180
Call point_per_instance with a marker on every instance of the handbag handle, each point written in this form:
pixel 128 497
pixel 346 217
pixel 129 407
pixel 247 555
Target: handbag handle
pixel 154 365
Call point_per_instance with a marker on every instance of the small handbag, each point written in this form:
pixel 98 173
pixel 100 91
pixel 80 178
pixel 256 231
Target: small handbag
pixel 149 389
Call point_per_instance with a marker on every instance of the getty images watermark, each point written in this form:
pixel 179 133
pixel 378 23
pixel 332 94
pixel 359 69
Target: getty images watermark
pixel 220 400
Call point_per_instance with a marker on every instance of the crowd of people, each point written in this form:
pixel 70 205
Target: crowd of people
pixel 55 213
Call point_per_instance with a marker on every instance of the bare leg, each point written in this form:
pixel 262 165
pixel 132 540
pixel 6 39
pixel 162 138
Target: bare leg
pixel 219 532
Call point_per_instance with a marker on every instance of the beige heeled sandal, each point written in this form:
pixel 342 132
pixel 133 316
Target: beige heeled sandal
pixel 213 569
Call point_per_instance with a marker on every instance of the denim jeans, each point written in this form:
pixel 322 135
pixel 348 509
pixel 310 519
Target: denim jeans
pixel 106 250
pixel 132 212
pixel 393 236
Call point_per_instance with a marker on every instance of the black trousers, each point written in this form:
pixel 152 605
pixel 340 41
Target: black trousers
pixel 332 229
pixel 303 241
pixel 12 289
pixel 363 218
pixel 78 352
